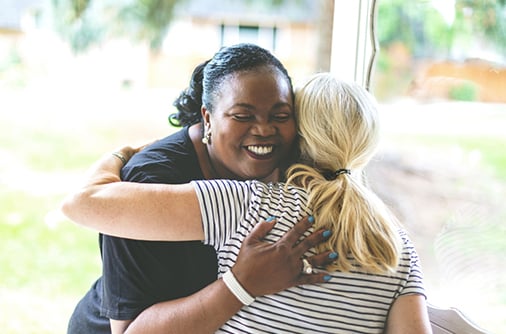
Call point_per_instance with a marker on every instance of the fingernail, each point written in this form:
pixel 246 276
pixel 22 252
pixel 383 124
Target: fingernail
pixel 269 219
pixel 310 219
pixel 327 233
pixel 327 278
pixel 333 255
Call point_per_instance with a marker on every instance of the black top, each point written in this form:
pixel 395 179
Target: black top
pixel 138 274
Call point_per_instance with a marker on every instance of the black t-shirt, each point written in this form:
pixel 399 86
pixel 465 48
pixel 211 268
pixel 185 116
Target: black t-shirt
pixel 138 274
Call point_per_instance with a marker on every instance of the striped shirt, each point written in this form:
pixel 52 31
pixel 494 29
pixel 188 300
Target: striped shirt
pixel 352 302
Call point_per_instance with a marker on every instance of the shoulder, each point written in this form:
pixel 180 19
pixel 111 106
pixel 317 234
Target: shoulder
pixel 275 198
pixel 170 147
pixel 410 267
pixel 267 191
pixel 273 189
pixel 409 256
pixel 408 249
pixel 168 160
pixel 407 244
pixel 224 187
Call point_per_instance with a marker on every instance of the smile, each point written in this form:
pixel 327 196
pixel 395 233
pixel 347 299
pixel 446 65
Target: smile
pixel 260 150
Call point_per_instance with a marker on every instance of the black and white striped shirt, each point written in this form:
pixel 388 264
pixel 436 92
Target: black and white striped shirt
pixel 353 302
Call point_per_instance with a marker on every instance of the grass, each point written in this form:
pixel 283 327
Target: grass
pixel 48 263
pixel 44 244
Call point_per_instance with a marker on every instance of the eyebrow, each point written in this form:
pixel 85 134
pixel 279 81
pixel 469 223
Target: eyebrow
pixel 252 107
pixel 244 105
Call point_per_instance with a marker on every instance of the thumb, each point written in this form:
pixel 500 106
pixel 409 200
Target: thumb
pixel 260 230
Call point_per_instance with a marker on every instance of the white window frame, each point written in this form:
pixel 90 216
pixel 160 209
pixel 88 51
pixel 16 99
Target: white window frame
pixel 354 44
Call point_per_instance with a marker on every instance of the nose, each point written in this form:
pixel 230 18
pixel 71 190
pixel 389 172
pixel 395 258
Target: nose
pixel 264 129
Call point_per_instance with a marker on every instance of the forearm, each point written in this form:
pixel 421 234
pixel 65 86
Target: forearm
pixel 203 312
pixel 133 210
pixel 76 205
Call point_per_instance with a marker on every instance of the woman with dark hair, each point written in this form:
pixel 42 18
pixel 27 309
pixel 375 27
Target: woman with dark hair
pixel 238 123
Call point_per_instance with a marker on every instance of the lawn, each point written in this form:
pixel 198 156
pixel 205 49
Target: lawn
pixel 47 142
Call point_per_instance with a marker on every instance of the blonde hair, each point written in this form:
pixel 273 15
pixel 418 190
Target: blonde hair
pixel 338 127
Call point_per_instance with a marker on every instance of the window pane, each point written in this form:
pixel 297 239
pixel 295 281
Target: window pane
pixel 440 78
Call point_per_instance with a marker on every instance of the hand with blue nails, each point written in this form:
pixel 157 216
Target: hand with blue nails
pixel 265 268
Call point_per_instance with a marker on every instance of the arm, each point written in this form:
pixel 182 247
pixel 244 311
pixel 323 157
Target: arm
pixel 261 268
pixel 134 210
pixel 408 315
pixel 203 312
pixel 270 267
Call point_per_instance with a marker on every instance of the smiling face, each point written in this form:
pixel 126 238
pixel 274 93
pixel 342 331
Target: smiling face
pixel 252 125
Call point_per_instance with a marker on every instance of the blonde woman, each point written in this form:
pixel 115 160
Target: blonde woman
pixel 374 286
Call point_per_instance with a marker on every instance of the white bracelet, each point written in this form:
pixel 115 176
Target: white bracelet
pixel 236 288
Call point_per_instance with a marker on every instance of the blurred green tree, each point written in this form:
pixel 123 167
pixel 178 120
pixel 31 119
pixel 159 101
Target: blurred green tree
pixel 84 23
pixel 433 27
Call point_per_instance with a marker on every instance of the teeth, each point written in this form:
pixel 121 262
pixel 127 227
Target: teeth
pixel 260 150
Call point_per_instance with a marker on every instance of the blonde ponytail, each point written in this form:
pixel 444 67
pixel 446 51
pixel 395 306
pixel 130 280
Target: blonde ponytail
pixel 339 132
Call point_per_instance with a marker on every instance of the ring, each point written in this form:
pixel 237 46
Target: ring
pixel 120 156
pixel 307 268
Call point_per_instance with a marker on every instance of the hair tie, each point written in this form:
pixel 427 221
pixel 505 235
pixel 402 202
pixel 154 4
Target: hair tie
pixel 330 176
pixel 342 171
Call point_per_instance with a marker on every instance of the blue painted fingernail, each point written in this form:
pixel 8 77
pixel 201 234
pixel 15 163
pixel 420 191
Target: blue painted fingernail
pixel 270 218
pixel 310 219
pixel 327 233
pixel 327 278
pixel 333 255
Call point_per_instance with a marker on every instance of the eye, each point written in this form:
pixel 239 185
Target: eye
pixel 242 117
pixel 282 117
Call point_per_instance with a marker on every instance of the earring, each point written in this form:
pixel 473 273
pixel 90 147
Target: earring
pixel 207 138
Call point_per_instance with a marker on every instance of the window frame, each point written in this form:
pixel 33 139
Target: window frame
pixel 354 27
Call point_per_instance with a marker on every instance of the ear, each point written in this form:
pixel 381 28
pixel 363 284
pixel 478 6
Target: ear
pixel 206 116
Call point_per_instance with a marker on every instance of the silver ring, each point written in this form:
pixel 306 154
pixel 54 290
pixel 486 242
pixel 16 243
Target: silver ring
pixel 307 268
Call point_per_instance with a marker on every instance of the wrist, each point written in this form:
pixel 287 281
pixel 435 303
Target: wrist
pixel 237 289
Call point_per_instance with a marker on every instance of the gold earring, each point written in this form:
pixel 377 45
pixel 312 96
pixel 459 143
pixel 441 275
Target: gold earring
pixel 207 138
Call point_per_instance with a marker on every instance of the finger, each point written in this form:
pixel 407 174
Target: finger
pixel 293 235
pixel 126 152
pixel 312 240
pixel 321 277
pixel 323 259
pixel 260 231
pixel 129 151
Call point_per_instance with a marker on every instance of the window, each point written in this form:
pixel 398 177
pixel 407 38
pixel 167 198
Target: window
pixel 440 77
pixel 264 36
